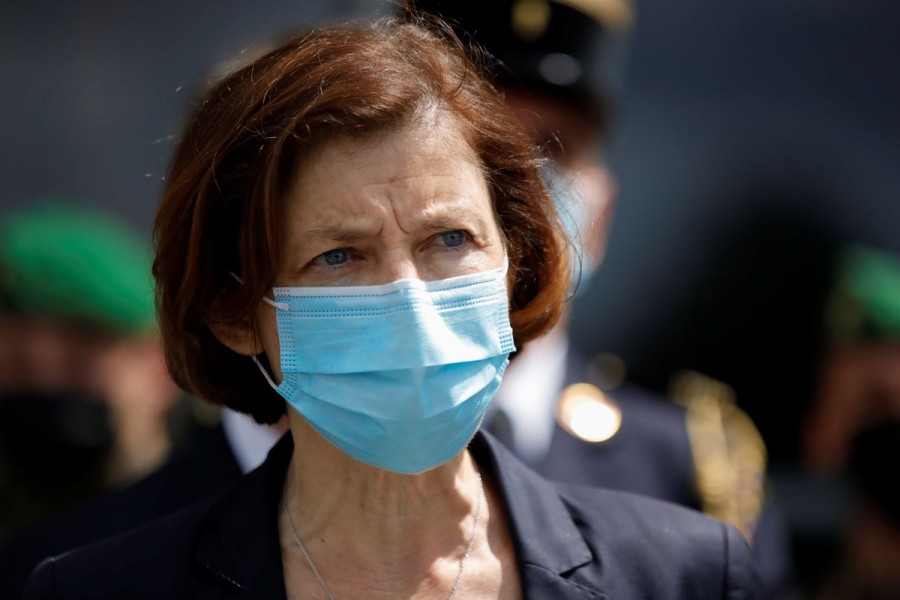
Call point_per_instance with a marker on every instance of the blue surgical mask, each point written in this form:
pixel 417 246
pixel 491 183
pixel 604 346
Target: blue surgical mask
pixel 398 376
pixel 576 221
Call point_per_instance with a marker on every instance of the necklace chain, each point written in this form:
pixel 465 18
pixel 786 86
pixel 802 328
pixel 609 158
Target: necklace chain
pixel 462 562
pixel 471 544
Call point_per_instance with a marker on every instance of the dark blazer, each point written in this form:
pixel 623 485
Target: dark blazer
pixel 571 542
pixel 203 466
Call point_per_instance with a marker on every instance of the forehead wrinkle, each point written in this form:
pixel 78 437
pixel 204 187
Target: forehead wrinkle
pixel 438 213
pixel 326 205
pixel 341 223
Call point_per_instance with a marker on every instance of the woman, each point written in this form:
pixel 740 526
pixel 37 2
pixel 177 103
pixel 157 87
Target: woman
pixel 355 232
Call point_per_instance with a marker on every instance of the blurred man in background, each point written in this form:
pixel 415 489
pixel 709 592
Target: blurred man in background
pixel 96 439
pixel 571 416
pixel 84 391
pixel 85 397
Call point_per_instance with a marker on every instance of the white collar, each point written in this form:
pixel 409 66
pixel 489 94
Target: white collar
pixel 530 390
pixel 249 441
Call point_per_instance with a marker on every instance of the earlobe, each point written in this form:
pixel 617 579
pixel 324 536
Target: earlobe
pixel 239 337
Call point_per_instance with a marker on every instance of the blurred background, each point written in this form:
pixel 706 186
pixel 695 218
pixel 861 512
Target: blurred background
pixel 754 141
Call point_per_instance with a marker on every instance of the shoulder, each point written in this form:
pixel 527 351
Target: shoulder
pixel 652 422
pixel 147 562
pixel 643 411
pixel 661 549
pixel 646 402
pixel 650 452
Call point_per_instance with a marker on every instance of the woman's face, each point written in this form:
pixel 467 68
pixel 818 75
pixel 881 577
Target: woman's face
pixel 411 204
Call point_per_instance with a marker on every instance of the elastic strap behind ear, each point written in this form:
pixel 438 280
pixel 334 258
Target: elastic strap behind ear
pixel 265 373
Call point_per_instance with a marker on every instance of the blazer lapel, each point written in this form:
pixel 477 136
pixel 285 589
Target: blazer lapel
pixel 549 546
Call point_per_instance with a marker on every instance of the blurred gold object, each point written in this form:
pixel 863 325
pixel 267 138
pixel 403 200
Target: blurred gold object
pixel 530 18
pixel 612 14
pixel 587 413
pixel 729 453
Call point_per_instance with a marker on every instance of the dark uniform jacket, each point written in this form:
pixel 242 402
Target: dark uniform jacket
pixel 651 455
pixel 571 542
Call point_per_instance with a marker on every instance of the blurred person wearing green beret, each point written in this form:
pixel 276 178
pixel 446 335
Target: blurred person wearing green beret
pixel 94 439
pixel 853 430
pixel 84 392
pixel 860 384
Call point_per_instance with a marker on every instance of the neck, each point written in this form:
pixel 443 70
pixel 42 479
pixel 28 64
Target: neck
pixel 389 525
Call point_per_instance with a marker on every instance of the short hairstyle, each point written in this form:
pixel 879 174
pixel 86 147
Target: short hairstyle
pixel 240 150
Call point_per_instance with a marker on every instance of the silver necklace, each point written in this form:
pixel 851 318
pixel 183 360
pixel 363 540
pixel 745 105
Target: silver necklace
pixel 462 562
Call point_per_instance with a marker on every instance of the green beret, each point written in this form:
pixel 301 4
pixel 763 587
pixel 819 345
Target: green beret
pixel 866 299
pixel 77 264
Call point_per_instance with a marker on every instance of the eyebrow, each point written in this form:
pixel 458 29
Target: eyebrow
pixel 445 224
pixel 340 233
pixel 449 219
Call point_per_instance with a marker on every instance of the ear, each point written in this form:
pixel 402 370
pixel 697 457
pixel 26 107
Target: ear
pixel 239 337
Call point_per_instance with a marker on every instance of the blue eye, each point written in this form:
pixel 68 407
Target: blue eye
pixel 335 257
pixel 451 239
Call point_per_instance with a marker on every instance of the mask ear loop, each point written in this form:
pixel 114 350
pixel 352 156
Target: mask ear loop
pixel 265 373
pixel 255 360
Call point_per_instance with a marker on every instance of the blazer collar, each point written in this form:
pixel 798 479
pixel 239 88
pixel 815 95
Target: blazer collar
pixel 239 542
pixel 549 546
pixel 533 504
